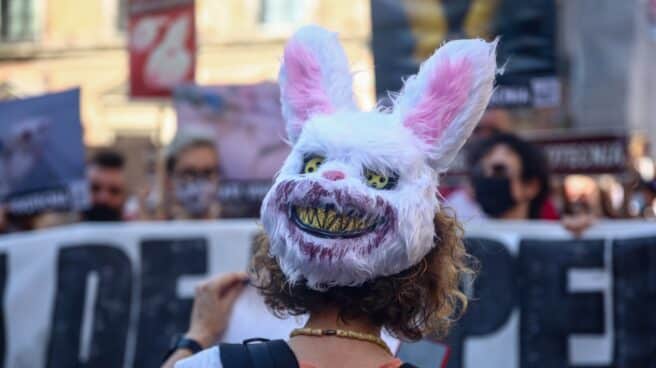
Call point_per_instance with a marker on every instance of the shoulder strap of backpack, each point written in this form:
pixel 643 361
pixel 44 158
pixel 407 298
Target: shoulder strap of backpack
pixel 261 354
pixel 234 356
pixel 282 355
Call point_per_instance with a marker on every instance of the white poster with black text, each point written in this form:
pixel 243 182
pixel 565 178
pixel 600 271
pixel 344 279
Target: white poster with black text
pixel 114 295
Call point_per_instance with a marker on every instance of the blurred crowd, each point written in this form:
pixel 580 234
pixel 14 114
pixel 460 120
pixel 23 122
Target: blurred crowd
pixel 507 178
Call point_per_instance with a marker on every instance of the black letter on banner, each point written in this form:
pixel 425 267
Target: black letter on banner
pixel 549 313
pixel 495 293
pixel 634 267
pixel 163 314
pixel 3 280
pixel 98 274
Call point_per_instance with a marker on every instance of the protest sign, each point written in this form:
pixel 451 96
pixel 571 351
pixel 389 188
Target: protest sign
pixel 591 154
pixel 249 131
pixel 588 154
pixel 162 45
pixel 42 154
pixel 114 295
pixel 406 32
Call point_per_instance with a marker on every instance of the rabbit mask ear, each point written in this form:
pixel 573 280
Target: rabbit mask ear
pixel 314 78
pixel 444 101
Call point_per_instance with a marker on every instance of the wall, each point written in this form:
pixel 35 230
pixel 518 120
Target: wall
pixel 81 45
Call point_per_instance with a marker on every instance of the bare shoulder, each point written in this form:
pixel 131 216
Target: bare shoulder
pixel 208 358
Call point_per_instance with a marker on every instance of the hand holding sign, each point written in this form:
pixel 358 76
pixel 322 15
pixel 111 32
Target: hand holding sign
pixel 212 305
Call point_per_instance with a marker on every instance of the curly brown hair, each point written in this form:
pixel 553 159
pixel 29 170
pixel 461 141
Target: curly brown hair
pixel 423 299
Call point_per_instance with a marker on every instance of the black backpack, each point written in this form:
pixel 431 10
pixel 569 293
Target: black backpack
pixel 261 353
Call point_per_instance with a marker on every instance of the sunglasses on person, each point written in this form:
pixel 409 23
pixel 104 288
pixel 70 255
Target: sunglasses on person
pixel 497 170
pixel 196 174
pixel 113 190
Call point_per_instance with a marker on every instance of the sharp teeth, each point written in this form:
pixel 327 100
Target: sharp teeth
pixel 331 218
pixel 351 224
pixel 321 216
pixel 308 216
pixel 337 224
pixel 312 216
pixel 341 223
pixel 345 223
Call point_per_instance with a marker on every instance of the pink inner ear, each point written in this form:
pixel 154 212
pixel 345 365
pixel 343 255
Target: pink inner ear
pixel 445 96
pixel 304 92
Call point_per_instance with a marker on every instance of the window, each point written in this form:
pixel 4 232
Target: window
pixel 281 12
pixel 122 15
pixel 17 20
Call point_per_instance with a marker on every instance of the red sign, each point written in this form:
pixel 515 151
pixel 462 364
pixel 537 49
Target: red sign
pixel 162 45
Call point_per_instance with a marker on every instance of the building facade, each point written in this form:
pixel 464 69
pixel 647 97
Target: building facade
pixel 52 45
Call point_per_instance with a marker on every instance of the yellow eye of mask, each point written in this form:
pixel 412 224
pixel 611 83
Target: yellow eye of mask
pixel 312 164
pixel 379 181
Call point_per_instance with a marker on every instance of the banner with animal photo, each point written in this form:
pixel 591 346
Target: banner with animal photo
pixel 41 154
pixel 406 32
pixel 162 46
pixel 113 295
pixel 249 131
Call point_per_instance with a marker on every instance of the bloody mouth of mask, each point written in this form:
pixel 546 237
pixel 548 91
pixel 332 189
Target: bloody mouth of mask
pixel 326 221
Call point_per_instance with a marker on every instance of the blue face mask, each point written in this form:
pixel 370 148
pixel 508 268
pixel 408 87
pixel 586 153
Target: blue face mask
pixel 196 196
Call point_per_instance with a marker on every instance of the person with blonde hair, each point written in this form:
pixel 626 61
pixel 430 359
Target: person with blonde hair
pixel 186 184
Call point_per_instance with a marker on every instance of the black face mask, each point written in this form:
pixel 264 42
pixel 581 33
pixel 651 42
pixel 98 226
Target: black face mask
pixel 101 213
pixel 493 194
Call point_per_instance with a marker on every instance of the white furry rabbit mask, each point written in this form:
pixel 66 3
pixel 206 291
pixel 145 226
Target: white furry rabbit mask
pixel 356 197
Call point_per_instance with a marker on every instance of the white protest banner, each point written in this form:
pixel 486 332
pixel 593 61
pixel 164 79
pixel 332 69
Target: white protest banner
pixel 108 295
pixel 114 295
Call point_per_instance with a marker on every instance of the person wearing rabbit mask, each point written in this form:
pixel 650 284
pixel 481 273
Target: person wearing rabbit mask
pixel 354 234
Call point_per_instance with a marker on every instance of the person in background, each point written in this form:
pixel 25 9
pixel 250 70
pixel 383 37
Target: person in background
pixel 10 223
pixel 642 202
pixel 192 180
pixel 494 121
pixel 509 179
pixel 108 187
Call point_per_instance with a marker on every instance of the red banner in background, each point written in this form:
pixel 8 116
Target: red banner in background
pixel 162 46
